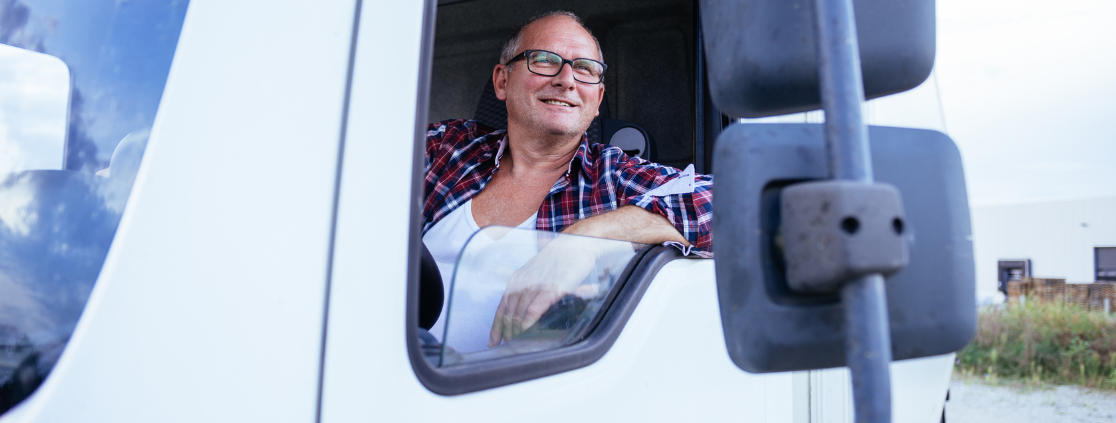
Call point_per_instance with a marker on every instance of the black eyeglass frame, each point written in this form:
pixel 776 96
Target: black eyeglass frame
pixel 523 56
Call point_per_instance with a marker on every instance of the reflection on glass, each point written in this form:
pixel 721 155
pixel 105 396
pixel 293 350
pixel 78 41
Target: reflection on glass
pixel 80 84
pixel 518 291
pixel 34 95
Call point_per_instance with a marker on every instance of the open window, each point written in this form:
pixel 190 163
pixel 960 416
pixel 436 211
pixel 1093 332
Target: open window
pixel 654 82
pixel 656 104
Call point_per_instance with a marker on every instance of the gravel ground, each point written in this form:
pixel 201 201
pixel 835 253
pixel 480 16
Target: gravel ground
pixel 975 401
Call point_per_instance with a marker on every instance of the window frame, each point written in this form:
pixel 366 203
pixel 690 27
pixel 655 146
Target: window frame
pixel 472 377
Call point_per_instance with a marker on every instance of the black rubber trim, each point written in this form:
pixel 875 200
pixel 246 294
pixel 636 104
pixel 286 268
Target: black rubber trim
pixel 418 155
pixel 505 371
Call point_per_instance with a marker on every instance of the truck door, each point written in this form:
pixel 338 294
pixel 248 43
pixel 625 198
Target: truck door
pixel 658 348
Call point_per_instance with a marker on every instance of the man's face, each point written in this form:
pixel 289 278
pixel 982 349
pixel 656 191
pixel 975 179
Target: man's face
pixel 556 105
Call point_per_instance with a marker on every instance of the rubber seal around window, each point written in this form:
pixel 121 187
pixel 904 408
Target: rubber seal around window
pixel 505 371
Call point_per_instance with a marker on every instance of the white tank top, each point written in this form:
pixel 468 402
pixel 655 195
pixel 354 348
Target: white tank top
pixel 445 241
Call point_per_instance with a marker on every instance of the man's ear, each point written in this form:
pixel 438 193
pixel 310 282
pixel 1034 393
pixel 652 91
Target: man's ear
pixel 500 82
pixel 600 98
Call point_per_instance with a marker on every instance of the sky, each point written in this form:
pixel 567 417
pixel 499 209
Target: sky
pixel 1029 96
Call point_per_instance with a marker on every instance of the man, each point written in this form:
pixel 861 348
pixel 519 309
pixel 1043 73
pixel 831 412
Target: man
pixel 541 172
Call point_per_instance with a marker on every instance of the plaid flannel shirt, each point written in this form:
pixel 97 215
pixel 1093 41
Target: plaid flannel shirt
pixel 463 155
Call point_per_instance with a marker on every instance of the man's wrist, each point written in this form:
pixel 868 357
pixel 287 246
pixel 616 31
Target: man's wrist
pixel 629 223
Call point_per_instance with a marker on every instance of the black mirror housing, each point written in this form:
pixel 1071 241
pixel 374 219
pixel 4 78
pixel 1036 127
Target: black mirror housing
pixel 762 54
pixel 771 328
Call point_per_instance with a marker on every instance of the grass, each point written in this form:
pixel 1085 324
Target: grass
pixel 1043 344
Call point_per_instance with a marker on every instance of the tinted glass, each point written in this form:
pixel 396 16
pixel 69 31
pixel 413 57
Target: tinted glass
pixel 80 82
pixel 518 291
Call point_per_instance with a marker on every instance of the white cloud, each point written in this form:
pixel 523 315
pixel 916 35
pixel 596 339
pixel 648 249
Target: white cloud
pixel 15 209
pixel 21 307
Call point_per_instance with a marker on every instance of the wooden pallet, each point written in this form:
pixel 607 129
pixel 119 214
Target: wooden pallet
pixel 1098 292
pixel 1090 296
pixel 1077 293
pixel 1047 290
pixel 1016 289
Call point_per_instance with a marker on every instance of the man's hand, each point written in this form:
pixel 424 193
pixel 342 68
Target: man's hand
pixel 555 272
pixel 562 265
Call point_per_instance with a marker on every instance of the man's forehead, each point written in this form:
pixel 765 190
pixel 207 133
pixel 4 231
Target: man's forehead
pixel 559 33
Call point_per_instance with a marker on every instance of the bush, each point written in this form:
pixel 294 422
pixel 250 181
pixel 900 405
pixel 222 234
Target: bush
pixel 1052 343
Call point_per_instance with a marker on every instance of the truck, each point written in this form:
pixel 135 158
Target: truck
pixel 210 211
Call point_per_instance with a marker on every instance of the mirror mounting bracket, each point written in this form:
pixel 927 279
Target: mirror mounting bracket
pixel 836 231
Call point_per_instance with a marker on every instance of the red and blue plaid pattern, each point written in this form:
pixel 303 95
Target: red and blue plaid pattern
pixel 461 157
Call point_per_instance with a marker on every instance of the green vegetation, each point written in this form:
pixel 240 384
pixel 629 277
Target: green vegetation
pixel 1045 343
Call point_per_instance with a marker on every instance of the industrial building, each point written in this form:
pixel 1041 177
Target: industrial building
pixel 1073 240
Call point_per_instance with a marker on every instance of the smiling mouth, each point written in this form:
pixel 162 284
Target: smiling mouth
pixel 557 103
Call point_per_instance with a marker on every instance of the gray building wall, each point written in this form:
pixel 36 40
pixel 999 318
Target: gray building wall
pixel 1058 237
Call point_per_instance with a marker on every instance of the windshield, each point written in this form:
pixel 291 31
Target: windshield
pixel 80 83
pixel 518 291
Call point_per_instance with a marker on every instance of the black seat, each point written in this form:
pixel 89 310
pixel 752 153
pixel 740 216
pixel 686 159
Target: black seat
pixel 630 137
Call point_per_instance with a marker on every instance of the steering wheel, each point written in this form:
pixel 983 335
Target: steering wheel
pixel 431 290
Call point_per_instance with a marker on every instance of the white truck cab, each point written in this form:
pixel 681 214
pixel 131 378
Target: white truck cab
pixel 232 232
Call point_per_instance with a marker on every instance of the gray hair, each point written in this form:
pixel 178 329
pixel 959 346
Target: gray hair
pixel 511 47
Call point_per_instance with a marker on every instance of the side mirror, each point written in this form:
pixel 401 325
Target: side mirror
pixel 762 55
pixel 35 93
pixel 769 327
pixel 806 212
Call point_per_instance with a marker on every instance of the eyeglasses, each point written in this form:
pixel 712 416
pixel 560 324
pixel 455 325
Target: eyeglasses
pixel 548 63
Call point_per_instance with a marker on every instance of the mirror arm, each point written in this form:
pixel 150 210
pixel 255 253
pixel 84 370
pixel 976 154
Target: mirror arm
pixel 868 342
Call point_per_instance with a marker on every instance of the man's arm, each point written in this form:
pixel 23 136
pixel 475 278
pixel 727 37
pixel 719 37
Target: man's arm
pixel 661 190
pixel 629 223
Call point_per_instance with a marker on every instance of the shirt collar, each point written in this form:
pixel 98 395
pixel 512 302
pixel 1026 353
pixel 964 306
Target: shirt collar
pixel 500 149
pixel 581 155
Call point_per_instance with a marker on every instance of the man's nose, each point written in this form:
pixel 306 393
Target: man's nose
pixel 565 76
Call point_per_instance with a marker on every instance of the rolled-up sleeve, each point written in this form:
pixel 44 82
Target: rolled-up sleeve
pixel 691 213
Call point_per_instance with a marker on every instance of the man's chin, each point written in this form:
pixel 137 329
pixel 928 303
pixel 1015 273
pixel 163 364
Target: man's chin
pixel 565 128
pixel 562 136
pixel 565 131
pixel 558 127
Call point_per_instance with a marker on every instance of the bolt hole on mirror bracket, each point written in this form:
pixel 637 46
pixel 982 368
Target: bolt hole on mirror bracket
pixel 838 230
